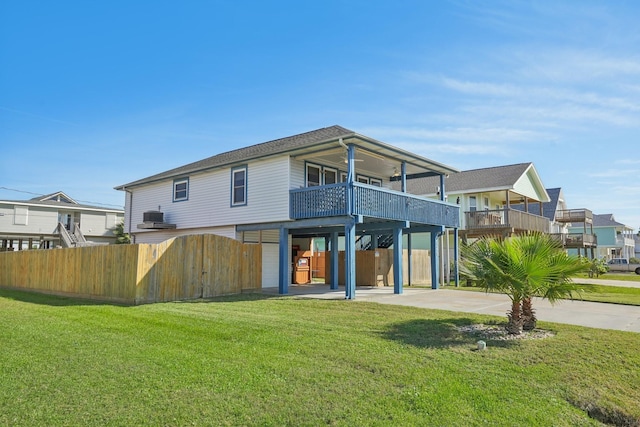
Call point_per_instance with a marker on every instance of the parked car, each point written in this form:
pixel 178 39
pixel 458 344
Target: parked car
pixel 623 264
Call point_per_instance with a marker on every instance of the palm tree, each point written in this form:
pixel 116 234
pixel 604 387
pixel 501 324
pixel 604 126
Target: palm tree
pixel 522 267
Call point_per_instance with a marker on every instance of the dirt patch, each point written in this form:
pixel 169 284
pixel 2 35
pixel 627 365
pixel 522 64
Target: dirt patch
pixel 499 333
pixel 610 417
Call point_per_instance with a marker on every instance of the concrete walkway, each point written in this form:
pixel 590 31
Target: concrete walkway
pixel 622 283
pixel 582 313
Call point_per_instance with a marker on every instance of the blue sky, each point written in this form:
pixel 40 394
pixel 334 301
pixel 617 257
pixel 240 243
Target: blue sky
pixel 97 94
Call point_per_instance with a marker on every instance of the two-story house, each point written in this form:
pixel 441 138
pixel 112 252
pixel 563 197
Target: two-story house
pixel 55 220
pixel 561 218
pixel 614 239
pixel 331 182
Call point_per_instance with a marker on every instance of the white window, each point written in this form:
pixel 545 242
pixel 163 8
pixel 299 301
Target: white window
pixel 313 175
pixel 181 190
pixel 20 215
pixel 473 206
pixel 343 177
pixel 486 203
pixel 330 176
pixel 239 186
pixel 375 182
pixel 110 221
pixel 363 179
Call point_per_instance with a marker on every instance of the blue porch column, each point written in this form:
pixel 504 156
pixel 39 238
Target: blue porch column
pixel 435 259
pixel 334 260
pixel 397 260
pixel 409 259
pixel 350 260
pixel 456 256
pixel 283 261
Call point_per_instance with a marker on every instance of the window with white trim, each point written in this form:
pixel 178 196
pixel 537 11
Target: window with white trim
pixel 314 175
pixel 20 215
pixel 330 176
pixel 363 179
pixel 181 189
pixel 473 205
pixel 239 186
pixel 375 182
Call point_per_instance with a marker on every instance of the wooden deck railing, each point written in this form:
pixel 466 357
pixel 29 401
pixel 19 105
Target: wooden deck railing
pixel 574 215
pixel 576 240
pixel 370 201
pixel 507 219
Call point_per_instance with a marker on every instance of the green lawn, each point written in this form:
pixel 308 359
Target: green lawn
pixel 258 360
pixel 596 293
pixel 631 277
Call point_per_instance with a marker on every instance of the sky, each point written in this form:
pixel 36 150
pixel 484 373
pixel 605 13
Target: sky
pixel 98 94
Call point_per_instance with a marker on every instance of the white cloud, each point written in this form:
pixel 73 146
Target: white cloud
pixel 616 173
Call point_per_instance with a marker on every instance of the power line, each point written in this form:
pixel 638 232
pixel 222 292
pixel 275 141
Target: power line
pixel 83 201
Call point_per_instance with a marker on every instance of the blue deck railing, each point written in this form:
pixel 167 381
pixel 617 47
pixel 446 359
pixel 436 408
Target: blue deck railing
pixel 370 201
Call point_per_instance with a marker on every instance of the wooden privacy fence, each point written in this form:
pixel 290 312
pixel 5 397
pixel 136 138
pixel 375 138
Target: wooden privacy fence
pixel 187 267
pixel 375 268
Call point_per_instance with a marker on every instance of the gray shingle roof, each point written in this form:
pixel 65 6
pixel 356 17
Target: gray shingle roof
pixel 264 149
pixel 605 220
pixel 494 178
pixel 548 208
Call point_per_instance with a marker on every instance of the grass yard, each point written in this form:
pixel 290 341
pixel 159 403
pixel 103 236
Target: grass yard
pixel 595 293
pixel 631 277
pixel 258 360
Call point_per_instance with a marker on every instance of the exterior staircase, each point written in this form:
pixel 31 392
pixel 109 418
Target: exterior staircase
pixel 365 242
pixel 72 239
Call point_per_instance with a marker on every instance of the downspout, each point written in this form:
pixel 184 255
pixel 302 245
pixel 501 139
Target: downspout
pixel 133 237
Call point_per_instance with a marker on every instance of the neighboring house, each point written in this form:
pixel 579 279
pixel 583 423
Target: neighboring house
pixel 331 182
pixel 560 218
pixel 488 198
pixel 615 240
pixel 55 220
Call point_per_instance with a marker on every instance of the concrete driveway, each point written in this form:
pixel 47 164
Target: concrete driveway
pixel 591 314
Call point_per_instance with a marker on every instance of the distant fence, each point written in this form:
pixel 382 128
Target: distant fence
pixel 375 267
pixel 183 268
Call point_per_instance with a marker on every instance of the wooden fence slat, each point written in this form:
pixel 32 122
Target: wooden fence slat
pixel 181 268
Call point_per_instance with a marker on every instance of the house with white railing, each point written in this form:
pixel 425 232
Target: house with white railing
pixel 614 239
pixel 331 182
pixel 55 220
pixel 496 201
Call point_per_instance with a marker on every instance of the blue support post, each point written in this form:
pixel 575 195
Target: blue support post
pixel 334 260
pixel 442 187
pixel 409 259
pixel 456 256
pixel 397 260
pixel 435 258
pixel 283 261
pixel 350 260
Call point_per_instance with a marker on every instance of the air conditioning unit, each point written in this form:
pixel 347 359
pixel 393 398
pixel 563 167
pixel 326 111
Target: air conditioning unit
pixel 153 216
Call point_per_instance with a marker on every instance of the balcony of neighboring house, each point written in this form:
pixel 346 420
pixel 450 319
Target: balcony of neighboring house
pixel 371 203
pixel 584 216
pixel 574 240
pixel 503 222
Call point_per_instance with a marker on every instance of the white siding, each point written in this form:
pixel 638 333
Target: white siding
pixel 94 224
pixel 209 203
pixel 40 220
pixel 162 235
pixel 270 265
pixel 297 174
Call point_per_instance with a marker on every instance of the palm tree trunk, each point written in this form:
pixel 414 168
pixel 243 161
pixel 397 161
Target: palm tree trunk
pixel 529 320
pixel 514 325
